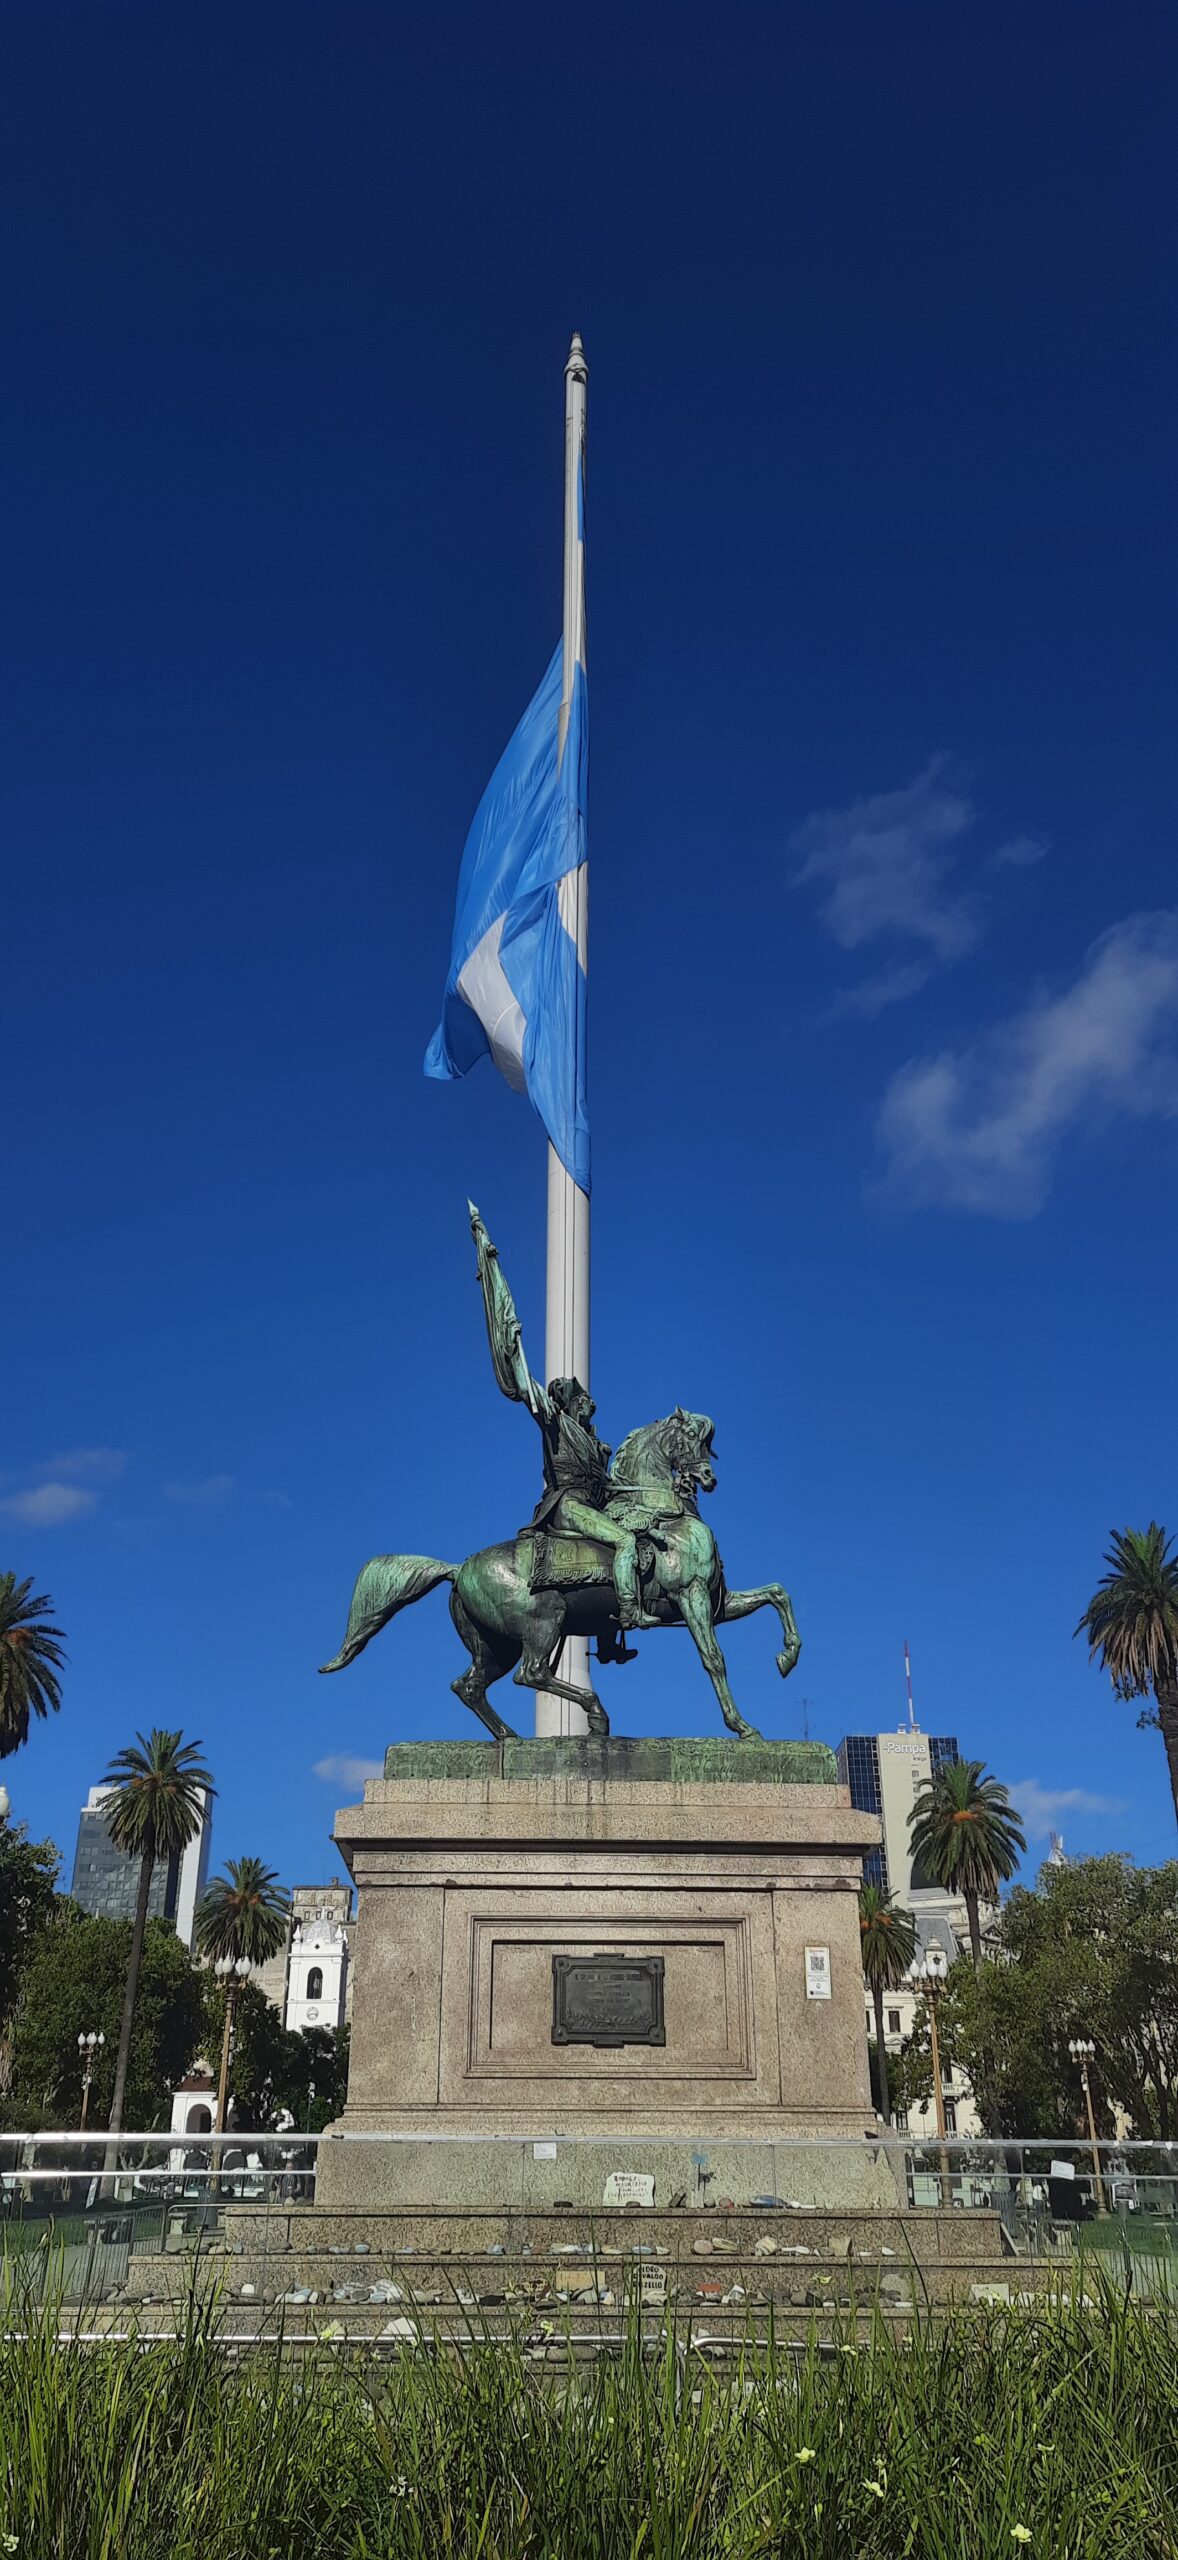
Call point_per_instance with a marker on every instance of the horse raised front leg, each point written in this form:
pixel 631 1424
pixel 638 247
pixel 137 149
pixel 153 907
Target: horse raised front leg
pixel 772 1595
pixel 695 1603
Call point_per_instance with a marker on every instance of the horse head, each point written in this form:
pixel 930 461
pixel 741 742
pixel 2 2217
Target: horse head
pixel 695 1433
pixel 673 1456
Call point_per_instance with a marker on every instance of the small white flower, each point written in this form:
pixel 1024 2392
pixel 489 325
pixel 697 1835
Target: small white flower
pixel 10 2542
pixel 876 2487
pixel 401 2487
pixel 1021 2533
pixel 806 2453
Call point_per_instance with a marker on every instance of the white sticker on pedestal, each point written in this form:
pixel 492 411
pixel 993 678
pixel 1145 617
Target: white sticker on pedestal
pixel 626 2186
pixel 817 1973
pixel 543 2151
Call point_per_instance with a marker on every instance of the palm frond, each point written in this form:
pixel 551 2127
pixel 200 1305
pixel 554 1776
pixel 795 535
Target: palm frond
pixel 965 1832
pixel 1131 1621
pixel 158 1788
pixel 244 1913
pixel 31 1655
pixel 887 1938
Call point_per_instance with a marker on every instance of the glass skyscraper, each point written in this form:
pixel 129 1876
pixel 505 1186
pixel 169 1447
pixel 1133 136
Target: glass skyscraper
pixel 106 1882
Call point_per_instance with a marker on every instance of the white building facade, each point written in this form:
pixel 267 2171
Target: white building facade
pixel 885 1773
pixel 309 1981
pixel 317 1974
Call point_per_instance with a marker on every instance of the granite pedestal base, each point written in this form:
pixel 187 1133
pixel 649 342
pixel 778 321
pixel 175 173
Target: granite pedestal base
pixel 736 1866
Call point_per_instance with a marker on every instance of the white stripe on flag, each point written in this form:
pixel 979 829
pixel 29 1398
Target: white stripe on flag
pixel 483 985
pixel 572 898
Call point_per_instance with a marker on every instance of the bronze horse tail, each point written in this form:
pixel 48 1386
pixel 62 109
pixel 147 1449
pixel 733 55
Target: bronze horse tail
pixel 383 1586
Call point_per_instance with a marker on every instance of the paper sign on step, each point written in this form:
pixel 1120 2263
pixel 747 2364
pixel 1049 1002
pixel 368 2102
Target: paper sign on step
pixel 647 2284
pixel 627 2186
pixel 543 2151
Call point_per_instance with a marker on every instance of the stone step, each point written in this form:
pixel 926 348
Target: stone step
pixel 589 2333
pixel 421 2286
pixel 927 2234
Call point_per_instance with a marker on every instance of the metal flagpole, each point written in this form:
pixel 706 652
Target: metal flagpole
pixel 566 1347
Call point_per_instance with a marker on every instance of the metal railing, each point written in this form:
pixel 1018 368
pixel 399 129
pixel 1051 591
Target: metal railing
pixel 169 2201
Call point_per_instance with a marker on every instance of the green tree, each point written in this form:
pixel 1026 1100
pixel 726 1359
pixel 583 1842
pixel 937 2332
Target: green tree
pixel 73 1981
pixel 244 1913
pixel 28 1900
pixel 31 1655
pixel 887 1944
pixel 967 1837
pixel 1091 1951
pixel 1131 1622
pixel 992 2023
pixel 156 1806
pixel 272 2067
pixel 242 1920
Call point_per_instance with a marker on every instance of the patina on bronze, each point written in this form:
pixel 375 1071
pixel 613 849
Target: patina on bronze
pixel 616 1543
pixel 607 2000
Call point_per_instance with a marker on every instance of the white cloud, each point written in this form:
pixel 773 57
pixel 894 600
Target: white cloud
pixel 201 1489
pixel 1020 854
pixel 105 1465
pixel 891 986
pixel 46 1506
pixel 979 1127
pixel 886 865
pixel 343 1769
pixel 1043 1809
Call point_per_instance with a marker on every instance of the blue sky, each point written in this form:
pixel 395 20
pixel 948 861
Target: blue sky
pixel 878 304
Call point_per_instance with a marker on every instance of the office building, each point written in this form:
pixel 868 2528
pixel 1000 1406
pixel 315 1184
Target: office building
pixel 106 1881
pixel 885 1772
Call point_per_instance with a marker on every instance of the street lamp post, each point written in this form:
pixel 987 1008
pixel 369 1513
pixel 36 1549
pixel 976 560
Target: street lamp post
pixel 1082 2050
pixel 232 1971
pixel 928 1977
pixel 88 2047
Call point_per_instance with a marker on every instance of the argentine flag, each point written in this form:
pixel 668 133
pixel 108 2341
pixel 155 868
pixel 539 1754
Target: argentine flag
pixel 517 988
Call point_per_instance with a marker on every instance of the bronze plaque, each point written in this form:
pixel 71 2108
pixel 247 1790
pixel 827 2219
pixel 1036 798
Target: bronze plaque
pixel 607 2000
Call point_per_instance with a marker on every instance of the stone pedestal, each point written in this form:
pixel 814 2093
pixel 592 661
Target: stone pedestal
pixel 736 1865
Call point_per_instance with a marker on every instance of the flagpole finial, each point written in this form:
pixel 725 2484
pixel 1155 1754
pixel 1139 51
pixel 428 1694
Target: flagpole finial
pixel 576 363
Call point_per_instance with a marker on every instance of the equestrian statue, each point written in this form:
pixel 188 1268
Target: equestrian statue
pixel 615 1545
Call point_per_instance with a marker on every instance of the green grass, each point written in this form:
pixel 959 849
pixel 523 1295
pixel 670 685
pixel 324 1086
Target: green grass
pixel 1149 2236
pixel 991 2425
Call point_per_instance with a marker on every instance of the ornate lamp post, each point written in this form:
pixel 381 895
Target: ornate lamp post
pixel 88 2047
pixel 232 1971
pixel 1082 2050
pixel 928 1977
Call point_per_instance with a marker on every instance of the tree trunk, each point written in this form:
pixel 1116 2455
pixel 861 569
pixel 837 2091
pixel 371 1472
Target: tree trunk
pixel 881 2059
pixel 1166 1693
pixel 975 1930
pixel 115 2119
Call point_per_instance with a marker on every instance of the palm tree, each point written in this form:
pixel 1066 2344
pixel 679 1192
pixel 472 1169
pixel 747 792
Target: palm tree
pixel 244 1913
pixel 155 1807
pixel 242 1921
pixel 1131 1621
pixel 31 1655
pixel 966 1835
pixel 887 1940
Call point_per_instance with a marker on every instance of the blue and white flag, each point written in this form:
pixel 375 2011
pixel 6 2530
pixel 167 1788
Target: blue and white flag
pixel 517 987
